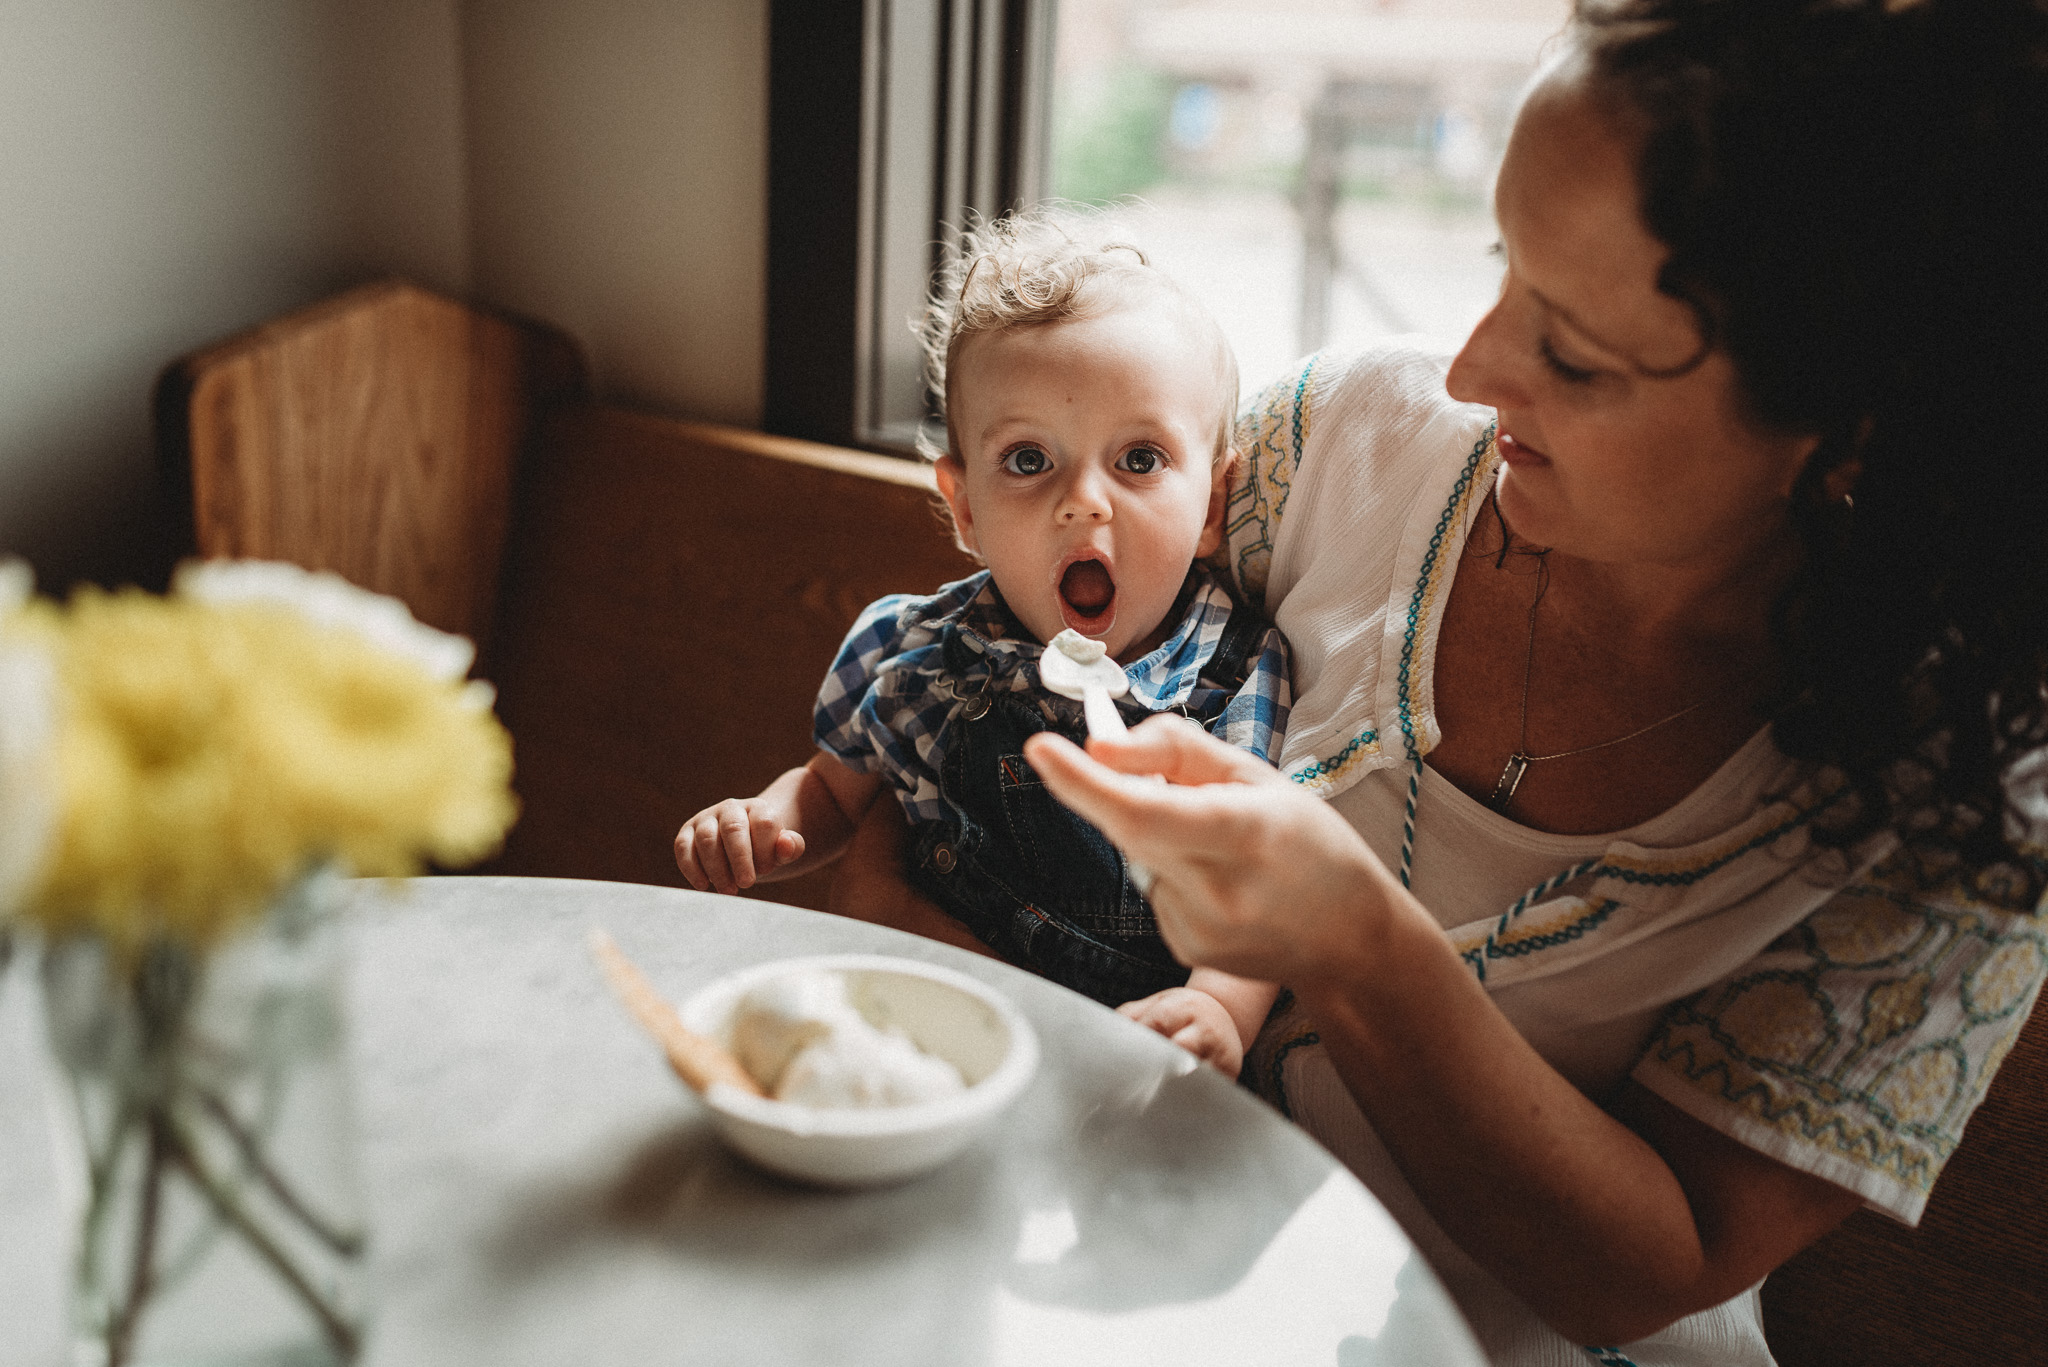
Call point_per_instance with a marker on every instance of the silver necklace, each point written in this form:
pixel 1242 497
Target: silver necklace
pixel 1519 762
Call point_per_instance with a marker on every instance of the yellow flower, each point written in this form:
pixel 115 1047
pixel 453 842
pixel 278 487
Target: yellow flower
pixel 208 753
pixel 27 722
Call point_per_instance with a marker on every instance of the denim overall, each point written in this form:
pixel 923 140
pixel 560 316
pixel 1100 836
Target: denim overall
pixel 1033 881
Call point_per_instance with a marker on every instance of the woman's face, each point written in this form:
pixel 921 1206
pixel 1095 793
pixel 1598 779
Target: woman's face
pixel 1604 459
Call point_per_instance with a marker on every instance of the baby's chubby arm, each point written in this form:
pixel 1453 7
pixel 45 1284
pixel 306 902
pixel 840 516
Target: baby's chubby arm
pixel 1215 1017
pixel 801 821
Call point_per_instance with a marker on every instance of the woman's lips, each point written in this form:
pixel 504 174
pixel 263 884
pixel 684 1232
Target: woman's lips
pixel 1519 456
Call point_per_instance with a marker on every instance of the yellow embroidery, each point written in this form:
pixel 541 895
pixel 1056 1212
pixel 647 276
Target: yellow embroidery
pixel 2002 981
pixel 1779 1021
pixel 1420 610
pixel 1319 774
pixel 1892 1008
pixel 1871 1031
pixel 1864 927
pixel 1271 434
pixel 1919 1089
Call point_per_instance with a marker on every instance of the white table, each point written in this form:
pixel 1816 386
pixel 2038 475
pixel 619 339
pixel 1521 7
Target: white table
pixel 543 1191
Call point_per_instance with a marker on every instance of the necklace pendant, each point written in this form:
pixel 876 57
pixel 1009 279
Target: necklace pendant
pixel 1510 779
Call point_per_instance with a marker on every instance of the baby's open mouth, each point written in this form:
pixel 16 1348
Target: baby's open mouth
pixel 1087 596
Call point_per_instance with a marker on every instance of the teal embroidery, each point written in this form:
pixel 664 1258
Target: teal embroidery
pixel 1270 461
pixel 1337 761
pixel 1881 1146
pixel 1416 604
pixel 1278 1072
pixel 1430 561
pixel 1864 1063
pixel 1993 989
pixel 1491 948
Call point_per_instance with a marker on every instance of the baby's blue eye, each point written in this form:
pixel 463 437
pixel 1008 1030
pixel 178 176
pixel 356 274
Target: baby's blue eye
pixel 1140 460
pixel 1026 460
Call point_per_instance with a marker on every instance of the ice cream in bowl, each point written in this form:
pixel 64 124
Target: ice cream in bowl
pixel 870 1069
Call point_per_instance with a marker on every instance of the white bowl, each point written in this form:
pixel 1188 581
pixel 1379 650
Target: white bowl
pixel 946 1014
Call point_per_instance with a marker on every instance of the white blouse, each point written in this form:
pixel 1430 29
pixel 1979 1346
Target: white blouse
pixel 1816 1005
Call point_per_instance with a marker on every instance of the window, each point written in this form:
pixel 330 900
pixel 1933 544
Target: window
pixel 1318 171
pixel 888 122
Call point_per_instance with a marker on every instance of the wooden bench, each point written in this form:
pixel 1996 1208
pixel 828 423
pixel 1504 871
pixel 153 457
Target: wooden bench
pixel 656 600
pixel 674 594
pixel 670 596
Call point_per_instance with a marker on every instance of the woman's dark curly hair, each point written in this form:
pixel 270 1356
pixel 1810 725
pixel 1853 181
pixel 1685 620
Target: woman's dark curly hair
pixel 1855 195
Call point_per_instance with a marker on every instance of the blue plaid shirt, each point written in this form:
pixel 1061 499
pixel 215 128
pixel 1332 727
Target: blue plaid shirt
pixel 889 703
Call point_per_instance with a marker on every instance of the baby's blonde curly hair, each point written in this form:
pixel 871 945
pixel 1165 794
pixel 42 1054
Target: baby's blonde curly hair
pixel 1036 266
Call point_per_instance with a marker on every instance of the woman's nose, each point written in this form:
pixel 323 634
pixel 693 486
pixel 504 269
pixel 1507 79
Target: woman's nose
pixel 1479 372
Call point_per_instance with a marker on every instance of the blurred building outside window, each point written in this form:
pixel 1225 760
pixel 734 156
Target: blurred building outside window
pixel 1319 172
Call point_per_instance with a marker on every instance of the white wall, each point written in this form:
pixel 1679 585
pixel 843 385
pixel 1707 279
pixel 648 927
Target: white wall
pixel 172 171
pixel 618 187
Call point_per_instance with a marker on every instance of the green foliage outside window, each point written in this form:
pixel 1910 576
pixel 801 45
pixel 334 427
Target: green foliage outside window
pixel 1110 139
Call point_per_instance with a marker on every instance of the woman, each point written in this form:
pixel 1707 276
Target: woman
pixel 1751 439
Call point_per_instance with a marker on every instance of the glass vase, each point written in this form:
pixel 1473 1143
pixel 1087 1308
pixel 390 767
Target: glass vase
pixel 219 1216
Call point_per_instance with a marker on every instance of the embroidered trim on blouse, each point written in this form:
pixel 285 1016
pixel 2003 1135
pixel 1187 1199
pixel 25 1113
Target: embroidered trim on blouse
pixel 1270 437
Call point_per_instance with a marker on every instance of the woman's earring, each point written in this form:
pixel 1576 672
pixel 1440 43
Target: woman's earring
pixel 1839 483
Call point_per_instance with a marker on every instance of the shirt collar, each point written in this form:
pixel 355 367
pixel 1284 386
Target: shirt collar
pixel 1161 679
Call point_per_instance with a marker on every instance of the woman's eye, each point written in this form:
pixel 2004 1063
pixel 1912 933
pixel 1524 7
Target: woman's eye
pixel 1563 369
pixel 1140 460
pixel 1026 460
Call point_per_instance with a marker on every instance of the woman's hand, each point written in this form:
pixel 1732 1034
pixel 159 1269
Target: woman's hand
pixel 1608 1226
pixel 1254 875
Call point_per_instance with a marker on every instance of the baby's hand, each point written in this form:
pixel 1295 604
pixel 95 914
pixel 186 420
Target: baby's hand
pixel 734 844
pixel 1196 1022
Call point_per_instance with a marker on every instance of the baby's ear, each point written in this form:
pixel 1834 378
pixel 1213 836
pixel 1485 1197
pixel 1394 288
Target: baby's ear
pixel 952 480
pixel 1219 496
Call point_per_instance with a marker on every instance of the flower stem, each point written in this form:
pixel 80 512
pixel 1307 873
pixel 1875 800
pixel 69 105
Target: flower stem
pixel 100 1172
pixel 333 1323
pixel 347 1243
pixel 121 1335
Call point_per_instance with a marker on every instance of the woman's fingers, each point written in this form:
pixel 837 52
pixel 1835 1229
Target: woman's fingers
pixel 1181 752
pixel 1105 796
pixel 1133 811
pixel 1253 874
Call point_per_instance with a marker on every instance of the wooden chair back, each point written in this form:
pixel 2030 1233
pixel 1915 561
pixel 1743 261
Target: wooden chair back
pixel 375 434
pixel 674 593
pixel 1970 1285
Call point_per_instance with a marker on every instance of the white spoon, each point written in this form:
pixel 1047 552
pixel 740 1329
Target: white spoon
pixel 1075 666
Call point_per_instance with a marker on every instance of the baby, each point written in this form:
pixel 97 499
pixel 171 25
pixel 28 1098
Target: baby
pixel 1088 403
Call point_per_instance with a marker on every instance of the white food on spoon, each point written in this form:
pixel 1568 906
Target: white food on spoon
pixel 804 1042
pixel 1078 667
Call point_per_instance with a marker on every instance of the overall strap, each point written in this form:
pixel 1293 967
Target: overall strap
pixel 1231 665
pixel 954 650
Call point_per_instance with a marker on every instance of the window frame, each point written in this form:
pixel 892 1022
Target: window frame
pixel 889 122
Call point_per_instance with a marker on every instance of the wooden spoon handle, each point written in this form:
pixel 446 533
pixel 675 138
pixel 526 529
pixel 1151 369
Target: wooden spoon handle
pixel 697 1059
